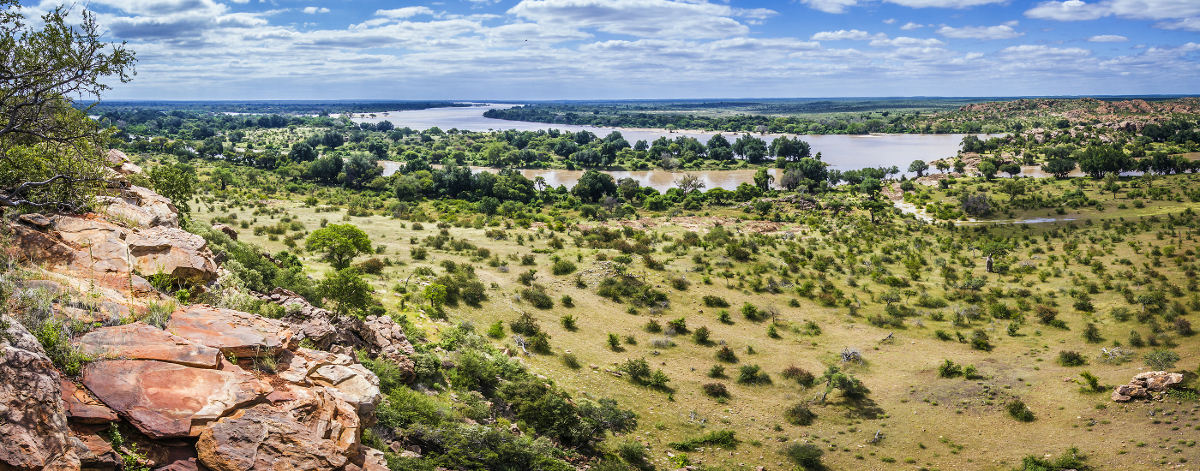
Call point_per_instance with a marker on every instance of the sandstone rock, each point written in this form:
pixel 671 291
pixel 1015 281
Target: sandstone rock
pixel 128 168
pixel 35 220
pixel 169 400
pixel 229 231
pixel 235 332
pixel 46 248
pixel 176 252
pixel 33 422
pixel 348 380
pixel 1158 380
pixel 96 453
pixel 165 213
pixel 101 245
pixel 139 341
pixel 115 157
pixel 260 438
pixel 1126 392
pixel 82 407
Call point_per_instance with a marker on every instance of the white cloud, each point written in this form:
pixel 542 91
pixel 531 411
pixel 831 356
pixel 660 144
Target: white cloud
pixel 911 26
pixel 1078 10
pixel 842 35
pixel 944 3
pixel 315 10
pixel 641 18
pixel 1108 38
pixel 404 12
pixel 1004 31
pixel 1186 24
pixel 830 6
pixel 905 41
pixel 889 21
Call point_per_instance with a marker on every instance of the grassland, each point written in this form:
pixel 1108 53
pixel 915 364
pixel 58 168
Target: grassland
pixel 882 289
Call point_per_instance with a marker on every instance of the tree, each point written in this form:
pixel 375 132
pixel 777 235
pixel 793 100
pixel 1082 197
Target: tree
pixel 340 243
pixel 302 152
pixel 1012 169
pixel 687 182
pixel 750 147
pixel 436 294
pixel 835 378
pixel 1013 188
pixel 51 154
pixel 987 169
pixel 348 291
pixel 177 182
pixel 1059 167
pixel 942 165
pixel 919 167
pixel 593 185
pixel 763 179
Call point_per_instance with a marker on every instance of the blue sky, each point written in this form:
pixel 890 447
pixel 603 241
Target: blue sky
pixel 602 49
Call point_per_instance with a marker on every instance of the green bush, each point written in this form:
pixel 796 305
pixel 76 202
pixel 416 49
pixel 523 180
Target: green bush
pixel 1018 410
pixel 804 455
pixel 717 438
pixel 1071 358
pixel 752 375
pixel 799 414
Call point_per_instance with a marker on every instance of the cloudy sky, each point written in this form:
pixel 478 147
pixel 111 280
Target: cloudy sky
pixel 583 49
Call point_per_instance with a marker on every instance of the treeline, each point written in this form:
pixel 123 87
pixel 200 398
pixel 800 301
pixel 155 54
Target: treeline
pixel 882 122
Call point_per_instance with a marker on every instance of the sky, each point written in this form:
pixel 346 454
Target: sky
pixel 631 49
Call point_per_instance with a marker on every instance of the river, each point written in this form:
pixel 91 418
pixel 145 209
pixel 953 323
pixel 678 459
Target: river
pixel 840 151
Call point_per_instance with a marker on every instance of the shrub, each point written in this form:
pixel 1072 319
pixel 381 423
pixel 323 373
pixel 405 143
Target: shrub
pixel 717 438
pixel 800 375
pixel 949 369
pixel 562 267
pixel 1071 358
pixel 715 301
pixel 680 283
pixel 678 325
pixel 1093 383
pixel 717 371
pixel 980 341
pixel 799 414
pixel 726 354
pixel 571 361
pixel 1072 459
pixel 701 336
pixel 568 322
pixel 804 455
pixel 716 390
pixel 496 331
pixel 537 297
pixel 614 342
pixel 652 326
pixel 1092 334
pixel 1161 359
pixel 753 375
pixel 1018 410
pixel 635 454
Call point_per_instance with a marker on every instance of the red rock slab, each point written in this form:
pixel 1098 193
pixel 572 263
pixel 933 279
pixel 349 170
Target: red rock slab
pixel 170 400
pixel 233 332
pixel 139 341
pixel 82 407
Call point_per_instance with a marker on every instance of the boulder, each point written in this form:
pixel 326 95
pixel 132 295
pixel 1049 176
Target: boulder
pixel 173 251
pixel 170 400
pixel 229 231
pixel 128 168
pixel 82 407
pixel 35 220
pixel 345 378
pixel 1126 392
pixel 100 245
pixel 160 207
pixel 115 157
pixel 260 438
pixel 33 421
pixel 1158 380
pixel 43 247
pixel 139 341
pixel 96 453
pixel 233 332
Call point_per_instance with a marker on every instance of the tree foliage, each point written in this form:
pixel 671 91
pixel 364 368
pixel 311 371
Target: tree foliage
pixel 339 243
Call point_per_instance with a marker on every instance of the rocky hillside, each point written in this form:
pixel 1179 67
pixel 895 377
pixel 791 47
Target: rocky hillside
pixel 103 371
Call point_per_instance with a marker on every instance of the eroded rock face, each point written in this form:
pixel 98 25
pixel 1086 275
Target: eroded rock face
pixel 33 421
pixel 233 332
pixel 100 245
pixel 224 228
pixel 82 407
pixel 139 341
pixel 169 400
pixel 262 437
pixel 173 251
pixel 343 377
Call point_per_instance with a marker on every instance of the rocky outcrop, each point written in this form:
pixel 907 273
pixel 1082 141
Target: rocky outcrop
pixel 173 251
pixel 235 333
pixel 224 228
pixel 33 421
pixel 260 437
pixel 82 407
pixel 378 336
pixel 139 341
pixel 169 400
pixel 343 376
pixel 1146 385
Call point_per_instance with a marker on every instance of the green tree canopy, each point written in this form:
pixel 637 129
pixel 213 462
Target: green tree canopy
pixel 51 154
pixel 339 243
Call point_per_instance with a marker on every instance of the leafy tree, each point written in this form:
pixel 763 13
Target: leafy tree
pixel 436 294
pixel 918 167
pixel 174 181
pixel 1059 167
pixel 763 179
pixel 750 147
pixel 593 185
pixel 339 243
pixel 51 154
pixel 987 169
pixel 347 290
pixel 835 378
